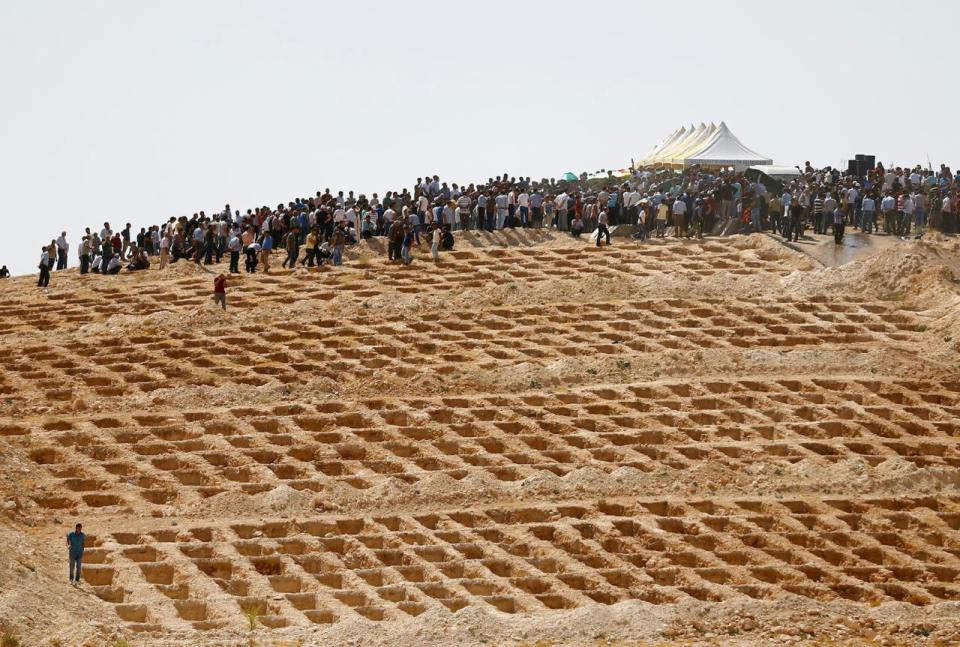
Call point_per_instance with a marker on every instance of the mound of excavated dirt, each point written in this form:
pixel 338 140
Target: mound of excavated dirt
pixel 535 441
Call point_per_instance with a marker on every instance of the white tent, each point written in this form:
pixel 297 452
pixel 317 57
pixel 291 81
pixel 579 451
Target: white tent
pixel 693 145
pixel 724 149
pixel 680 133
pixel 663 142
pixel 704 145
pixel 667 153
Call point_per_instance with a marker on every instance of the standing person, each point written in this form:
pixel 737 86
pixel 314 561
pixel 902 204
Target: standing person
pixel 75 542
pixel 165 250
pixel 292 240
pixel 563 205
pixel 106 253
pixel 796 220
pixel 888 206
pixel 234 246
pixel 696 220
pixel 642 213
pixel 662 210
pixel 482 221
pixel 266 246
pixel 829 204
pixel 311 244
pixel 405 246
pixel 775 208
pixel 838 225
pixel 523 204
pixel 868 214
pixel 220 291
pixel 339 240
pixel 679 217
pixel 125 242
pixel 44 266
pixel 946 214
pixel 907 210
pixel 85 255
pixel 435 246
pixel 502 202
pixel 602 219
pixel 852 196
pixel 613 207
pixel 465 204
pixel 919 213
pixel 394 240
pixel 536 209
pixel 62 248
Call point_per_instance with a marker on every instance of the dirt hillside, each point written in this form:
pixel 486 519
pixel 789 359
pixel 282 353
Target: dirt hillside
pixel 537 441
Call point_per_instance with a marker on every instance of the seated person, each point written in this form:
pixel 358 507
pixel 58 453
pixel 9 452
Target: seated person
pixel 576 227
pixel 113 267
pixel 4 272
pixel 324 255
pixel 139 260
pixel 350 235
pixel 446 239
pixel 95 264
pixel 367 228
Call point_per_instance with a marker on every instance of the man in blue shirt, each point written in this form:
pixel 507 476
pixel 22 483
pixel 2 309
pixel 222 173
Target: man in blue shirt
pixel 266 246
pixel 613 208
pixel 75 546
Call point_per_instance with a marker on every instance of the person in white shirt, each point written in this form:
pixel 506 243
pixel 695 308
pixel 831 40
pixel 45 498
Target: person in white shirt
pixel 62 248
pixel 907 219
pixel 464 204
pixel 561 202
pixel 679 217
pixel 165 250
pixel 919 213
pixel 523 202
pixel 852 195
pixel 947 210
pixel 435 245
pixel 234 246
pixel 602 226
pixel 868 214
pixel 888 206
pixel 113 266
pixel 44 266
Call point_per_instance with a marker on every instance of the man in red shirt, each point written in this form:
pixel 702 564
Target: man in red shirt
pixel 220 291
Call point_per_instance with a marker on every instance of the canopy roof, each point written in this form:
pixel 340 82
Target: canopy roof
pixel 704 145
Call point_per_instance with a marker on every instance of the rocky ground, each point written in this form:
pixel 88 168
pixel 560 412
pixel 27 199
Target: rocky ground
pixel 535 442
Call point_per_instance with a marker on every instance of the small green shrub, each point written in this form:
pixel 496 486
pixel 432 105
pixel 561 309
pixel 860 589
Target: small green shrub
pixel 252 614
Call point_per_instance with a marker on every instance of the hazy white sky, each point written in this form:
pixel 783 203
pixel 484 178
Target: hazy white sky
pixel 135 111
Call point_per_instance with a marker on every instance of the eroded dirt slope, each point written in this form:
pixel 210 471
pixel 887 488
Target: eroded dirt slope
pixel 537 440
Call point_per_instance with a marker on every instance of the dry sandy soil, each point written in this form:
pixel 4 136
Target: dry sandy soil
pixel 726 442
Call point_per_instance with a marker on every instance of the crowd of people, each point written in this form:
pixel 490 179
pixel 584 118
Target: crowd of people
pixel 315 231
